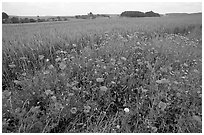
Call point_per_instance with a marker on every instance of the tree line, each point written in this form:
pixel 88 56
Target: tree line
pixel 8 19
pixel 139 14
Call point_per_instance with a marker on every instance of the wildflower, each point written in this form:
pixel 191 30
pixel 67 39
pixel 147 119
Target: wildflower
pixel 74 83
pixel 197 118
pixel 74 45
pixel 63 74
pixel 178 94
pixel 75 88
pixel 23 74
pixel 17 110
pixel 41 57
pixel 113 82
pixel 103 88
pixel 58 51
pixel 58 106
pixel 99 79
pixel 175 82
pixel 23 58
pixel 62 65
pixel 69 85
pixel 34 109
pixel 87 109
pixel 118 126
pixel 54 98
pixel 17 82
pixel 6 93
pixel 127 110
pixel 49 92
pixel 51 66
pixel 73 110
pixel 196 71
pixel 140 63
pixel 162 105
pixel 144 90
pixel 12 65
pixel 164 69
pixel 58 59
pixel 119 62
pixel 70 94
pixel 154 129
pixel 112 61
pixel 46 72
pixel 186 65
pixel 123 58
pixel 163 81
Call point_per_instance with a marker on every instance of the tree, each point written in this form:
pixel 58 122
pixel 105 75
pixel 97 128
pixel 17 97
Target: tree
pixel 151 14
pixel 15 20
pixel 32 20
pixel 4 15
pixel 139 14
pixel 132 14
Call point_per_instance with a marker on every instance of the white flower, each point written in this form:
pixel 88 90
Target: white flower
pixel 74 45
pixel 17 82
pixel 47 92
pixel 62 65
pixel 23 74
pixel 58 106
pixel 54 98
pixel 46 72
pixel 51 66
pixel 58 59
pixel 12 65
pixel 6 93
pixel 73 110
pixel 127 110
pixel 99 79
pixel 118 126
pixel 41 57
pixel 162 105
pixel 23 58
pixel 164 80
pixel 87 109
pixel 103 88
pixel 123 58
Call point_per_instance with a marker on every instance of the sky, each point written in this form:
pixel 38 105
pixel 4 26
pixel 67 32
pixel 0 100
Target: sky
pixel 80 8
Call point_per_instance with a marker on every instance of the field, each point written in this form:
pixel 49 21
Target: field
pixel 117 75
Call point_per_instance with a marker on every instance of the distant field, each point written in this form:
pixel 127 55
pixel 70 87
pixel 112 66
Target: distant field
pixel 104 75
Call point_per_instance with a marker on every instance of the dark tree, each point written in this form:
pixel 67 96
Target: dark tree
pixel 4 15
pixel 15 20
pixel 132 14
pixel 139 14
pixel 32 20
pixel 151 14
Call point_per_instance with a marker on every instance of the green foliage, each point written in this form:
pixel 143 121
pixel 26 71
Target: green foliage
pixel 139 14
pixel 110 80
pixel 4 15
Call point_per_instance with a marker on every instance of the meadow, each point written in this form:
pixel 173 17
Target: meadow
pixel 117 75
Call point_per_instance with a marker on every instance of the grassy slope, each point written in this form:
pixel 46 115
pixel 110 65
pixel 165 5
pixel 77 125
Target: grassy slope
pixel 147 41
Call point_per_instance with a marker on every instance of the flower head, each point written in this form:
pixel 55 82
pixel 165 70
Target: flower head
pixel 87 109
pixel 41 57
pixel 162 105
pixel 73 110
pixel 103 88
pixel 127 110
pixel 99 79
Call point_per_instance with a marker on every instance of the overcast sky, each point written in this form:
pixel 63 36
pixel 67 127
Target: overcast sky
pixel 79 8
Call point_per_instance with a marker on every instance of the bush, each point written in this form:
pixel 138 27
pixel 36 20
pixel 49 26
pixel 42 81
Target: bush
pixel 139 14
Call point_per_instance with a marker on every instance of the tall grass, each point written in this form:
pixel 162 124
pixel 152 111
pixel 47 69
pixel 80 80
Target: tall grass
pixel 151 66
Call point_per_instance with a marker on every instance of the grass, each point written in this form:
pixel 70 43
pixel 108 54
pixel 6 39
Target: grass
pixel 103 75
